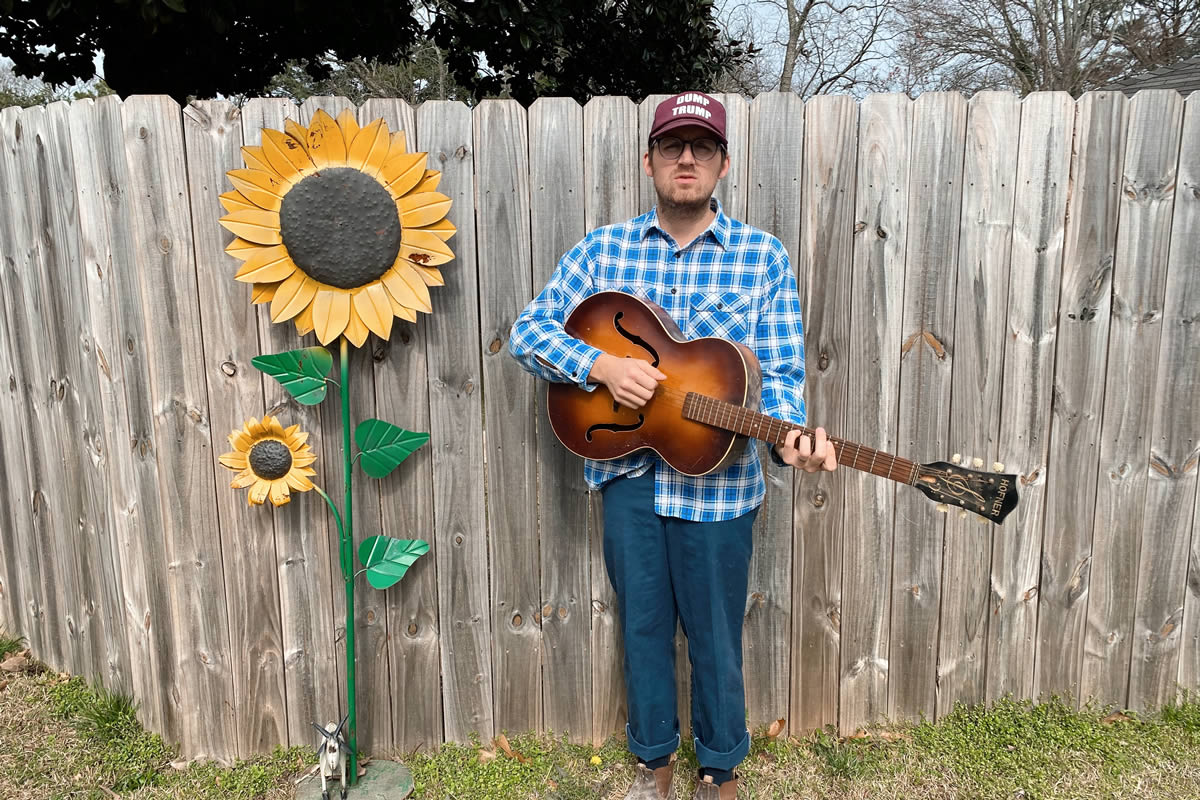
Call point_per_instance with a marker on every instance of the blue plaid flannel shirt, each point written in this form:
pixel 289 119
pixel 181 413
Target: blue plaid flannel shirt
pixel 734 281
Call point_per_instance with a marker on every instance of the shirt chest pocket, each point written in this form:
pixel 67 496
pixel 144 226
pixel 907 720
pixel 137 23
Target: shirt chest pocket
pixel 725 315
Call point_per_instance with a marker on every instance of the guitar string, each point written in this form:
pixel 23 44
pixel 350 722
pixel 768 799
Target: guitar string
pixel 729 409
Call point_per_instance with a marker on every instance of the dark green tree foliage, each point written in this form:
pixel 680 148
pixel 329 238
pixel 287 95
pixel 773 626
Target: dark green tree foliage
pixel 582 48
pixel 195 48
pixel 199 48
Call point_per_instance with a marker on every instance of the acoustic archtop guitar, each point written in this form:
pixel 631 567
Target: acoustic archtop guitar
pixel 702 415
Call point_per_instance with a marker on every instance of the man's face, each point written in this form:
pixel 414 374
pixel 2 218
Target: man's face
pixel 686 183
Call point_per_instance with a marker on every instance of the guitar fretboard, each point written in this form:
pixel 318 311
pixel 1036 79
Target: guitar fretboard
pixel 730 417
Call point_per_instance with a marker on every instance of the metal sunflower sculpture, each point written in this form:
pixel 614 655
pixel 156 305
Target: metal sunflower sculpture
pixel 270 460
pixel 342 231
pixel 339 227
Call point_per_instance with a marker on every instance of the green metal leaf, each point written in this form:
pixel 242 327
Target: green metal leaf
pixel 384 446
pixel 301 372
pixel 387 559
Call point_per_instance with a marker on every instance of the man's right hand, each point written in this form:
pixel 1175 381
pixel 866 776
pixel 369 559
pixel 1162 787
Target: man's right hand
pixel 631 381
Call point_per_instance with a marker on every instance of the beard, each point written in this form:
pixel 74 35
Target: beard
pixel 681 201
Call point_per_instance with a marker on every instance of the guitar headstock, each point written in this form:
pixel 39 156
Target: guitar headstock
pixel 991 495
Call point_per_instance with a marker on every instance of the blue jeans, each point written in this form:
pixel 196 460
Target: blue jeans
pixel 665 569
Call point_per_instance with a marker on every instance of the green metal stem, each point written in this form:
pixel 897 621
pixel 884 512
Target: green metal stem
pixel 336 516
pixel 347 552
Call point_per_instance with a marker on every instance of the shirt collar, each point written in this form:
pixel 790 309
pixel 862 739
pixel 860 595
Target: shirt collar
pixel 718 228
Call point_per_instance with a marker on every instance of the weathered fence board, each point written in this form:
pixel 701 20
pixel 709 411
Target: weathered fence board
pixel 934 200
pixel 181 426
pixel 824 265
pixel 1174 441
pixel 557 223
pixel 213 138
pixel 876 316
pixel 985 234
pixel 1043 172
pixel 774 207
pixel 1139 281
pixel 503 236
pixel 1185 229
pixel 611 167
pixel 402 397
pixel 930 240
pixel 1083 313
pixel 456 427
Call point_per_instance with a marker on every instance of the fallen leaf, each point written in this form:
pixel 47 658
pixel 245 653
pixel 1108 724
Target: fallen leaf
pixel 3 685
pixel 893 736
pixel 776 728
pixel 502 740
pixel 486 755
pixel 15 663
pixel 1116 716
pixel 861 733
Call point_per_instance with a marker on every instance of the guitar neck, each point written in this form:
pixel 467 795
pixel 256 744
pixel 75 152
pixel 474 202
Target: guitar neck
pixel 730 417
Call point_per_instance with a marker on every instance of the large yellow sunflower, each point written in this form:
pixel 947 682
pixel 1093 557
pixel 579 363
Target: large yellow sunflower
pixel 339 227
pixel 270 460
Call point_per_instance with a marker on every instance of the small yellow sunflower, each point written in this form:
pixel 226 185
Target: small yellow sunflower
pixel 270 460
pixel 339 227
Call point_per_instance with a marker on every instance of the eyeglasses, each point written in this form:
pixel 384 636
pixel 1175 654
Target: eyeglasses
pixel 671 148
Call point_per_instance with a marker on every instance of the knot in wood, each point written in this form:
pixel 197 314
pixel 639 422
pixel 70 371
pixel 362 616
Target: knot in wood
pixel 494 347
pixel 517 621
pixel 229 368
pixel 818 500
pixel 823 362
pixel 412 629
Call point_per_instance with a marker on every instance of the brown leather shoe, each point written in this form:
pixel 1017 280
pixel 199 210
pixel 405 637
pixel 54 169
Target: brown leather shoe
pixel 707 790
pixel 652 784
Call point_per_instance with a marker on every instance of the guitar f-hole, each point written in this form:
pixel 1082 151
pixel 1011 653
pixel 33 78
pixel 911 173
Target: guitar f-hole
pixel 614 427
pixel 633 337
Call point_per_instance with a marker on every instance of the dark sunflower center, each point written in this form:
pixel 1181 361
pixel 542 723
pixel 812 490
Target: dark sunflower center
pixel 341 227
pixel 270 459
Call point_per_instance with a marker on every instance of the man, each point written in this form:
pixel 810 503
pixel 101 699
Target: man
pixel 678 547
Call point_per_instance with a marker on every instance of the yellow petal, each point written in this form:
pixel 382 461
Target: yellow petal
pixel 240 248
pixel 409 275
pixel 399 289
pixel 426 208
pixel 298 482
pixel 243 479
pixel 443 229
pixel 375 309
pixel 429 182
pixel 331 314
pixel 348 125
pixel 290 431
pixel 401 173
pixel 279 493
pixel 325 144
pixel 259 492
pixel 295 130
pixel 293 296
pixel 369 149
pixel 424 248
pixel 296 439
pixel 240 441
pixel 234 460
pixel 263 293
pixel 287 156
pixel 397 146
pixel 256 429
pixel 356 329
pixel 303 460
pixel 304 321
pixel 235 201
pixel 273 426
pixel 264 189
pixel 431 275
pixel 255 225
pixel 255 158
pixel 400 310
pixel 268 265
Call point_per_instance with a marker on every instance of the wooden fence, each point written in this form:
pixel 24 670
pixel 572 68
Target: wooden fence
pixel 1016 281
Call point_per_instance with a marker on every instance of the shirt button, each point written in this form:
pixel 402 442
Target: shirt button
pixel 672 291
pixel 679 255
pixel 720 306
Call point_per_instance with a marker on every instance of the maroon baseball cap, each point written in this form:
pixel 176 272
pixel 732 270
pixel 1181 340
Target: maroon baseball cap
pixel 689 108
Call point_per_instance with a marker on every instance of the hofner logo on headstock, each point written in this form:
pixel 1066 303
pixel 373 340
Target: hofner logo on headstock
pixel 1001 491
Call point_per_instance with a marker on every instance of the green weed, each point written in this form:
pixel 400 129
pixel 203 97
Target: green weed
pixel 10 645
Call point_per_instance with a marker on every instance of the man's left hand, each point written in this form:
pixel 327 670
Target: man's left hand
pixel 809 453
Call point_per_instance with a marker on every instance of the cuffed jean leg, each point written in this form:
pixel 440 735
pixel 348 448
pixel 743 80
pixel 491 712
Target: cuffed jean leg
pixel 635 557
pixel 710 565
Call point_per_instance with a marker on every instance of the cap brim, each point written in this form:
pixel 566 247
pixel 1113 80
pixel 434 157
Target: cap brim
pixel 688 122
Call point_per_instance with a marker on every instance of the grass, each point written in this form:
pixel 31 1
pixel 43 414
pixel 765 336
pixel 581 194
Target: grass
pixel 62 739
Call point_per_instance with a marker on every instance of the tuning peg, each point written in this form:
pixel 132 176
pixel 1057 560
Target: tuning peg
pixel 997 466
pixel 942 507
pixel 956 458
pixel 977 463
